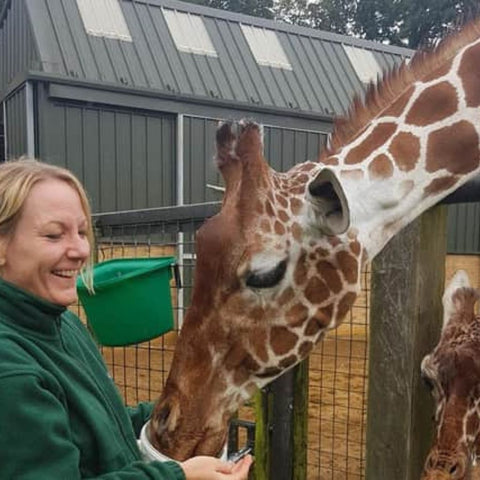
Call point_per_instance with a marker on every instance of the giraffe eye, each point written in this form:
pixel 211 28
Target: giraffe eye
pixel 267 279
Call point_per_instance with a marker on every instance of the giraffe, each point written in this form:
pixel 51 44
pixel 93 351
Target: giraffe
pixel 452 372
pixel 280 264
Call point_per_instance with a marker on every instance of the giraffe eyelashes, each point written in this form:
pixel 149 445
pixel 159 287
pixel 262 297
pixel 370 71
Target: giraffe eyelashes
pixel 267 279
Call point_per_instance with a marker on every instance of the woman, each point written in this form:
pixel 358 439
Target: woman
pixel 61 416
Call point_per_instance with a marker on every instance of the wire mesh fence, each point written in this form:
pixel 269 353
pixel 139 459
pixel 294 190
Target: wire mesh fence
pixel 338 365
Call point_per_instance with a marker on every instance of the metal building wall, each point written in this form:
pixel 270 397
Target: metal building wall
pixel 16 124
pixel 126 159
pixel 464 228
pixel 17 48
pixel 283 149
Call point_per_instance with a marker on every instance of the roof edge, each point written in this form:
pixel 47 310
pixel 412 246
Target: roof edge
pixel 147 92
pixel 278 26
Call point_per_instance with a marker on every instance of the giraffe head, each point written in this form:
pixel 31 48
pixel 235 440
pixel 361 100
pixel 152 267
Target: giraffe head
pixel 276 268
pixel 280 264
pixel 452 371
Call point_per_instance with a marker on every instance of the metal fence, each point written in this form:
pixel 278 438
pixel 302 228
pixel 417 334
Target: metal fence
pixel 337 389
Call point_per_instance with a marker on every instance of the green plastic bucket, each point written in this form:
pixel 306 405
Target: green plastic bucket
pixel 132 301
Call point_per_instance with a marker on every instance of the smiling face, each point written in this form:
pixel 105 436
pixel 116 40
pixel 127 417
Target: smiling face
pixel 49 243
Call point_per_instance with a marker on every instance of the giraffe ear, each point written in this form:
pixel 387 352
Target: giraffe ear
pixel 328 207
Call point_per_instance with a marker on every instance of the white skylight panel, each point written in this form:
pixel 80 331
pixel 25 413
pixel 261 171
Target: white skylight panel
pixel 364 63
pixel 266 47
pixel 104 18
pixel 189 33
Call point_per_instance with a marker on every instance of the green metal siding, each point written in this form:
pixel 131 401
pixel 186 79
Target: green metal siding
pixel 16 122
pixel 17 48
pixel 283 149
pixel 125 159
pixel 286 147
pixel 463 228
pixel 199 169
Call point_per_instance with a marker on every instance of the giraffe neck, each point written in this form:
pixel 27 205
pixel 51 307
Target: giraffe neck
pixel 415 152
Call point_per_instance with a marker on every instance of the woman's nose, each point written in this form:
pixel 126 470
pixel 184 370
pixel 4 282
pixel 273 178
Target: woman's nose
pixel 79 247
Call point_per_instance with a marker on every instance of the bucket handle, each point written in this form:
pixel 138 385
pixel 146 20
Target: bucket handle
pixel 177 276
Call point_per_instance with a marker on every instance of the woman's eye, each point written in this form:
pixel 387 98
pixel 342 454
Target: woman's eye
pixel 53 236
pixel 267 279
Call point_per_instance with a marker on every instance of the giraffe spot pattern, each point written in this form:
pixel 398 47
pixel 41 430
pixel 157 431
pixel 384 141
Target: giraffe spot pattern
pixel 265 226
pixel 285 296
pixel 348 265
pixel 433 104
pixel 269 209
pixel 378 137
pixel 469 72
pixel 297 315
pixel 258 341
pixel 438 185
pixel 317 323
pixel 279 228
pixel 256 313
pixel 305 348
pixel 295 205
pixel 333 161
pixel 282 200
pixel 405 150
pixel 330 275
pixel 282 340
pixel 300 273
pixel 316 290
pixel 457 157
pixel 283 216
pixel 297 231
pixel 380 167
pixel 355 247
pixel 288 361
pixel 344 305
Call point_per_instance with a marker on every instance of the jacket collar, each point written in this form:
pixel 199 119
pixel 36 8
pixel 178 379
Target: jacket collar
pixel 22 308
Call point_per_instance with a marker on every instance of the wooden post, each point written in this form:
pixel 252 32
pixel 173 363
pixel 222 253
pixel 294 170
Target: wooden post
pixel 281 427
pixel 408 280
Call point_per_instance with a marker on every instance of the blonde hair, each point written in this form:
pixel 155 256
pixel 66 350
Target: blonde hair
pixel 17 178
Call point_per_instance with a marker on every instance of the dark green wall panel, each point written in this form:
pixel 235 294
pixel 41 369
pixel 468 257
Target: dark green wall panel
pixel 16 113
pixel 464 228
pixel 125 159
pixel 17 48
pixel 283 149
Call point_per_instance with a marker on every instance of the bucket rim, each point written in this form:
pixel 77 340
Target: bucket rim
pixel 160 262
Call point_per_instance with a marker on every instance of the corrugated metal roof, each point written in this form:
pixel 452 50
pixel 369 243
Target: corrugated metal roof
pixel 322 77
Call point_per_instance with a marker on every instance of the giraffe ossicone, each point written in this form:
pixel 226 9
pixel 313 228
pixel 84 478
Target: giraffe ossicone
pixel 280 264
pixel 452 372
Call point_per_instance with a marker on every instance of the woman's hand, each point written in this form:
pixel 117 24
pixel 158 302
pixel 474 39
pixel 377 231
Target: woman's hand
pixel 211 468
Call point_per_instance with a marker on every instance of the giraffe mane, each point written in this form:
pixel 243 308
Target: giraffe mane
pixel 393 83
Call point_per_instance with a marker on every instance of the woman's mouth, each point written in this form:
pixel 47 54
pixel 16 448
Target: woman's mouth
pixel 65 273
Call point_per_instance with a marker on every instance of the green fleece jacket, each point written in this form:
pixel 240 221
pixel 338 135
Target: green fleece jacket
pixel 61 416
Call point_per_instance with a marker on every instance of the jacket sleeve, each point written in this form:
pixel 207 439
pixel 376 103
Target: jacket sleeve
pixel 139 415
pixel 36 440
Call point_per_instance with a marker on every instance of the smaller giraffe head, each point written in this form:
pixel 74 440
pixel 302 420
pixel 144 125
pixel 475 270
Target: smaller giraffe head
pixel 452 371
